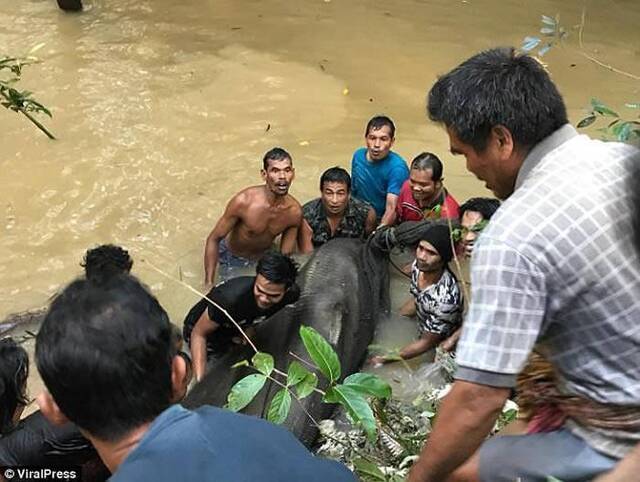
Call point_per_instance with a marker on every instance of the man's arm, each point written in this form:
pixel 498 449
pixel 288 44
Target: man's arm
pixel 224 225
pixel 450 343
pixel 389 216
pixel 305 235
pixel 370 222
pixel 198 346
pixel 465 418
pixel 289 239
pixel 413 349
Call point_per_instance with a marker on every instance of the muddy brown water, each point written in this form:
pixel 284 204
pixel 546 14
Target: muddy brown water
pixel 163 110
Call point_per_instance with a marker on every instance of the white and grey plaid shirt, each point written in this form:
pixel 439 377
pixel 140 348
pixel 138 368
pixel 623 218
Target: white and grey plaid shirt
pixel 557 268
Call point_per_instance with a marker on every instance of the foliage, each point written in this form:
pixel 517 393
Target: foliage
pixel 21 101
pixel 617 128
pixel 458 234
pixel 353 394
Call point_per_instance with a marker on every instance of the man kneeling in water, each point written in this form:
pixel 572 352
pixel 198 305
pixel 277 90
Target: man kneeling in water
pixel 209 331
pixel 437 299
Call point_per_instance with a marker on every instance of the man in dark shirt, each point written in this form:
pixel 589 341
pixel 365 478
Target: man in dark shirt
pixel 335 214
pixel 108 359
pixel 209 331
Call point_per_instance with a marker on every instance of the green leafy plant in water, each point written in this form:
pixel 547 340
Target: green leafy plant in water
pixel 617 128
pixel 553 33
pixel 354 393
pixel 21 101
pixel 458 233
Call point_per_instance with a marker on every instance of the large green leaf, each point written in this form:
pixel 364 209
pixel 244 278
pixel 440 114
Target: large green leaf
pixel 368 384
pixel 244 391
pixel 307 385
pixel 296 373
pixel 263 363
pixel 356 406
pixel 369 469
pixel 279 407
pixel 602 109
pixel 321 353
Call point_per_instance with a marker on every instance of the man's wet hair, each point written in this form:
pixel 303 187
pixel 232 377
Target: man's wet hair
pixel 498 87
pixel 275 154
pixel 14 370
pixel 105 354
pixel 335 174
pixel 106 261
pixel 427 160
pixel 484 205
pixel 378 122
pixel 278 268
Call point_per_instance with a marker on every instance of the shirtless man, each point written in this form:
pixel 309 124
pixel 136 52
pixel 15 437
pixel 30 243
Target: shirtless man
pixel 253 218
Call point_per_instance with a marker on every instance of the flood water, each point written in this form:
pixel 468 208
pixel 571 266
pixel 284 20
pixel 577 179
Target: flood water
pixel 163 110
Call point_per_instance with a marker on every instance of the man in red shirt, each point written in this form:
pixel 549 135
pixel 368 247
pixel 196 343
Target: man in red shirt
pixel 423 196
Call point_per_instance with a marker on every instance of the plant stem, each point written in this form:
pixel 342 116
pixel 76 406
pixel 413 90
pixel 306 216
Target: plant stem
pixel 190 288
pixel 31 118
pixel 310 365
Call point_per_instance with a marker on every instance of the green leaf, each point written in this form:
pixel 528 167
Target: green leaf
pixel 242 363
pixel 633 105
pixel 602 109
pixel 625 132
pixel 545 49
pixel 368 384
pixel 307 385
pixel 530 43
pixel 365 467
pixel 587 121
pixel 549 20
pixel 548 31
pixel 356 406
pixel 296 373
pixel 279 407
pixel 321 353
pixel 244 391
pixel 263 363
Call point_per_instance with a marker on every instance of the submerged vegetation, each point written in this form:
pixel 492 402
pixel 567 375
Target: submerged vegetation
pixel 20 101
pixel 554 34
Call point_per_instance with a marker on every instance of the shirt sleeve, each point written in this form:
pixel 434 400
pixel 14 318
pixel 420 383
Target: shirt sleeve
pixel 505 316
pixel 398 175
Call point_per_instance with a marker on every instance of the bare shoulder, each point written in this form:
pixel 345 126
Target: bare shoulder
pixel 247 196
pixel 294 207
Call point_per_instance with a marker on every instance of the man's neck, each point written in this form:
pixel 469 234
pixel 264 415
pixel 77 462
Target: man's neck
pixel 272 198
pixel 113 454
pixel 429 202
pixel 428 278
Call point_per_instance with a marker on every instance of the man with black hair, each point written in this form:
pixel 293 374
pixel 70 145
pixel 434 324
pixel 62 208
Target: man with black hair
pixel 377 172
pixel 335 214
pixel 253 219
pixel 475 214
pixel 108 359
pixel 209 331
pixel 105 261
pixel 422 195
pixel 554 270
pixel 436 296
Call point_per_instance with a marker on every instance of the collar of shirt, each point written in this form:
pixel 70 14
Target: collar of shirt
pixel 544 147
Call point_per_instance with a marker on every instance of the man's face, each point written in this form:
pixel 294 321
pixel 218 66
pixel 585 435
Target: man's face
pixel 471 223
pixel 423 187
pixel 379 142
pixel 267 293
pixel 427 258
pixel 278 176
pixel 335 197
pixel 493 165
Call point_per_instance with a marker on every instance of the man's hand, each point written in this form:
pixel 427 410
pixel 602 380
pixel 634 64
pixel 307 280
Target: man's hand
pixel 450 343
pixel 377 360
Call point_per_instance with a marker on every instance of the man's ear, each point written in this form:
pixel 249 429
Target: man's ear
pixel 179 378
pixel 263 174
pixel 50 409
pixel 503 140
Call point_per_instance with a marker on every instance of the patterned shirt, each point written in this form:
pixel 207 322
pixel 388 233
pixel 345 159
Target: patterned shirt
pixel 439 306
pixel 351 225
pixel 557 268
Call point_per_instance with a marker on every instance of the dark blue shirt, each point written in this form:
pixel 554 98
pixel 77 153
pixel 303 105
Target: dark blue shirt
pixel 212 444
pixel 372 181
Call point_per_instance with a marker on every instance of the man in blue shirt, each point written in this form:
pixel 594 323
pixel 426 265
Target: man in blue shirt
pixel 109 362
pixel 377 172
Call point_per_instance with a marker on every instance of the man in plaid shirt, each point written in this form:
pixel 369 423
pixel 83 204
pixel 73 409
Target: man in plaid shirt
pixel 555 269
